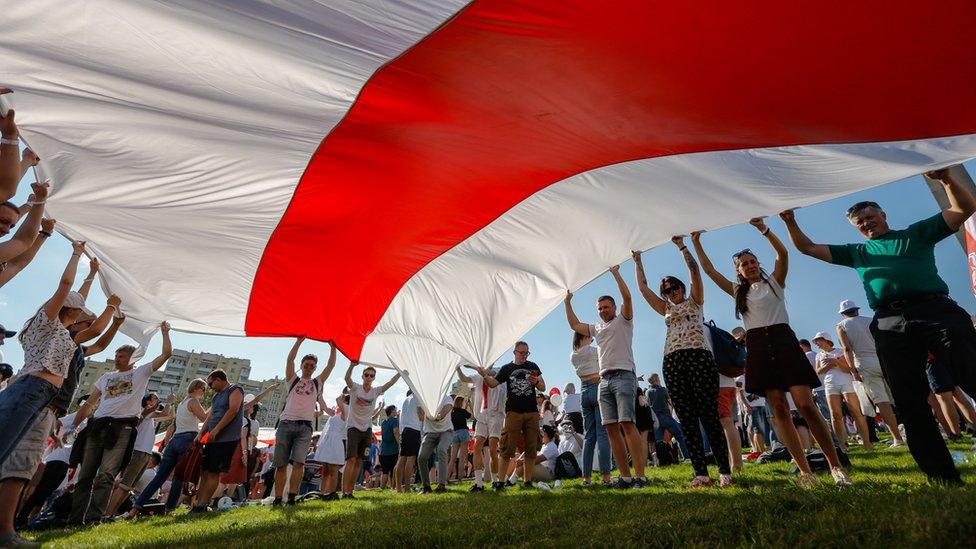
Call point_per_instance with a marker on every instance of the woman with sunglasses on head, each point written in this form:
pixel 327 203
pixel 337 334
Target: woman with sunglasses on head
pixel 690 372
pixel 775 365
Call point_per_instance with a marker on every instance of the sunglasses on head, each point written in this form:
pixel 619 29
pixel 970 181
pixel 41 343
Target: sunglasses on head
pixel 739 254
pixel 862 205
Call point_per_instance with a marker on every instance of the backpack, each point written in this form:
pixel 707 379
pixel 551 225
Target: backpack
pixel 779 453
pixel 667 453
pixel 567 466
pixel 818 461
pixel 730 355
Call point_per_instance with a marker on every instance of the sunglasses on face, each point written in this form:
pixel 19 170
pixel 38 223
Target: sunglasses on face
pixel 669 289
pixel 369 375
pixel 860 206
pixel 526 353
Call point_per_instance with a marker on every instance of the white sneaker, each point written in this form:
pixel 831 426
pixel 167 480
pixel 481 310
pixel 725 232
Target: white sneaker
pixel 840 477
pixel 558 484
pixel 542 486
pixel 896 444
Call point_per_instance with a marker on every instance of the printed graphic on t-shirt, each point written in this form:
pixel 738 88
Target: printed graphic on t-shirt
pixel 518 383
pixel 118 386
pixel 305 387
pixel 360 401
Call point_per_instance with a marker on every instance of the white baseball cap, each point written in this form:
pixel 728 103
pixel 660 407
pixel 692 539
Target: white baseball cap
pixel 823 335
pixel 77 301
pixel 846 306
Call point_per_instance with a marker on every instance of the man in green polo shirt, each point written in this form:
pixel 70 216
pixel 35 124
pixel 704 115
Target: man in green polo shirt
pixel 913 311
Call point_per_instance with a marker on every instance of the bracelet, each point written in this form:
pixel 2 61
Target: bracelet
pixel 90 279
pixel 764 233
pixel 45 234
pixel 683 248
pixel 112 306
pixel 37 203
pixel 75 255
pixel 14 141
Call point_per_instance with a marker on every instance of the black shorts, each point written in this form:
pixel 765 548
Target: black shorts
pixel 388 463
pixel 357 443
pixel 409 442
pixel 217 456
pixel 940 380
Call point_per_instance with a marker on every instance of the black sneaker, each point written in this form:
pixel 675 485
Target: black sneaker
pixel 277 502
pixel 528 485
pixel 291 502
pixel 199 509
pixel 348 496
pixel 498 486
pixel 476 488
pixel 330 496
pixel 426 489
pixel 440 489
pixel 622 484
pixel 640 482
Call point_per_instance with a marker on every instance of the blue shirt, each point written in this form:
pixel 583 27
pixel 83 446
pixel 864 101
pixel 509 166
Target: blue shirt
pixel 388 445
pixel 221 402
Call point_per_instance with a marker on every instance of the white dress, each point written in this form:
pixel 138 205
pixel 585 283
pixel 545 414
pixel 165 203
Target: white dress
pixel 330 449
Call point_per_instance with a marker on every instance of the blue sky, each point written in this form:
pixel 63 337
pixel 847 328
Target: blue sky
pixel 813 293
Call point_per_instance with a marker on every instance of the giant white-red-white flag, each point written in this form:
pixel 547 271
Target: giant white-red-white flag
pixel 421 180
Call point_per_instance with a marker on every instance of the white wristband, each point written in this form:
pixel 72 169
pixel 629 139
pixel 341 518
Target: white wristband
pixel 5 141
pixel 36 203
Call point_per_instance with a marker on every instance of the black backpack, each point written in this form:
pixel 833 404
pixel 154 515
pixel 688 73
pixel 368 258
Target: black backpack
pixel 567 466
pixel 730 355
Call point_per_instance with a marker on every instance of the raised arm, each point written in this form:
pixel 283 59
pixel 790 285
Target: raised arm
pixel 53 306
pixel 696 291
pixel 167 351
pixel 782 265
pixel 962 205
pixel 656 303
pixel 93 266
pixel 461 377
pixel 348 378
pixel 330 366
pixel 706 264
pixel 19 263
pixel 627 307
pixel 574 322
pixel 96 327
pixel 30 226
pixel 391 383
pixel 9 154
pixel 290 361
pixel 801 241
pixel 263 394
pixel 106 339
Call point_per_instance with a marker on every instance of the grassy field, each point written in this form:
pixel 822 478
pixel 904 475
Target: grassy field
pixel 890 505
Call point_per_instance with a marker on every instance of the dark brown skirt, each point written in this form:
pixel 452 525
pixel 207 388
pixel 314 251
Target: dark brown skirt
pixel 774 360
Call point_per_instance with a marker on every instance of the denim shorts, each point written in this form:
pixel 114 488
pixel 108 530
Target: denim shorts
pixel 461 436
pixel 618 395
pixel 21 404
pixel 292 441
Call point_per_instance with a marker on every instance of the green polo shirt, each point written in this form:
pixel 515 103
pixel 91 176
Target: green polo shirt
pixel 898 264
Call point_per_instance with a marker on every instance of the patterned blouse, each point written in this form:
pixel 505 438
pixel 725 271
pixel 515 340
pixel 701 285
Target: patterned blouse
pixel 685 322
pixel 47 346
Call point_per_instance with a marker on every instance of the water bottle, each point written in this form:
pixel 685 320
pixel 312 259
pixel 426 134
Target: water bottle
pixel 959 457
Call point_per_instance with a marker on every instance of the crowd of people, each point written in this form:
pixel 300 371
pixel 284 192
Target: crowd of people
pixel 757 386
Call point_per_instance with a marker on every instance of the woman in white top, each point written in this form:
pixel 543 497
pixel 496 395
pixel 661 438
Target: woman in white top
pixel 189 415
pixel 690 372
pixel 573 407
pixel 586 360
pixel 839 384
pixel 775 364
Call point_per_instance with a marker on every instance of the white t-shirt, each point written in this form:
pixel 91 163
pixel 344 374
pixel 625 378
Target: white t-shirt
pixel 568 443
pixel 145 436
pixel 60 454
pixel 550 451
pixel 495 405
pixel 767 305
pixel 301 400
pixel 144 480
pixel 812 358
pixel 834 376
pixel 586 360
pixel 573 403
pixel 362 404
pixel 409 419
pixel 858 330
pixel 616 342
pixel 432 426
pixel 725 381
pixel 122 392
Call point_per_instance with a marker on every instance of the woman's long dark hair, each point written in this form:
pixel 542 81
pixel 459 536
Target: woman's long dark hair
pixel 673 281
pixel 742 288
pixel 577 340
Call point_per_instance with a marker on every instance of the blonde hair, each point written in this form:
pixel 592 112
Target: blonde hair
pixel 197 383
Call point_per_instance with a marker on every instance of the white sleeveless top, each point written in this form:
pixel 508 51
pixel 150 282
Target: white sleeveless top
pixel 767 305
pixel 185 420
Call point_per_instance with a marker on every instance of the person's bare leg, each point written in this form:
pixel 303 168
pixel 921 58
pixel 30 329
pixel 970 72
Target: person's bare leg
pixel 10 490
pixel 965 407
pixel 118 494
pixel 281 474
pixel 786 431
pixel 854 405
pixel 805 439
pixel 618 447
pixel 636 446
pixel 349 475
pixel 206 488
pixel 295 480
pixel 758 444
pixel 888 415
pixel 948 406
pixel 803 398
pixel 735 445
pixel 408 469
pixel 493 453
pixel 837 419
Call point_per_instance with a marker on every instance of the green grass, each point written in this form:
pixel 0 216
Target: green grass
pixel 890 505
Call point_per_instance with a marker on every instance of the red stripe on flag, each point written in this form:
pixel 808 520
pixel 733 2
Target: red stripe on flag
pixel 511 96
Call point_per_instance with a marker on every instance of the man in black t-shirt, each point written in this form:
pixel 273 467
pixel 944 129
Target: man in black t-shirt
pixel 521 414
